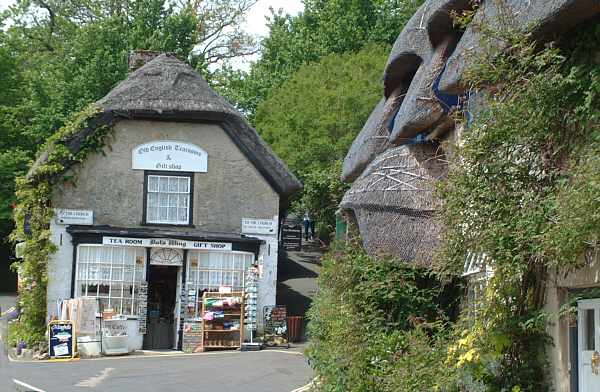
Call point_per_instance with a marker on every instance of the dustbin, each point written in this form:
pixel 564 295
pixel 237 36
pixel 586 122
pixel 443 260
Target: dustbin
pixel 294 328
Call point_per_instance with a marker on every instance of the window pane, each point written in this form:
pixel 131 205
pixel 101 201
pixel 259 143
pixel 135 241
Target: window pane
pixel 182 215
pixel 173 184
pixel 117 274
pixel 127 290
pixel 162 214
pixel 228 261
pixel 163 184
pixel 172 214
pixel 103 290
pixel 127 307
pixel 128 273
pixel 214 278
pixel 153 199
pixel 152 183
pixel 105 272
pixel 184 185
pixel 183 201
pixel 204 260
pixel 590 329
pixel 164 199
pixel 173 200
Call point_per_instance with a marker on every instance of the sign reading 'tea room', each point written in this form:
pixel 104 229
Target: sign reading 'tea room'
pixel 169 155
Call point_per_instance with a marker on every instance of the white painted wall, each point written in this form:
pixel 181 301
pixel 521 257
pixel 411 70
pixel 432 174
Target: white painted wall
pixel 60 266
pixel 267 287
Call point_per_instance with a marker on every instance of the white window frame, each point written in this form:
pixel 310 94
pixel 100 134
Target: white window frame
pixel 85 277
pixel 175 194
pixel 214 259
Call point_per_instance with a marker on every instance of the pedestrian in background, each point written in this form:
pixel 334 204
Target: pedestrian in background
pixel 306 225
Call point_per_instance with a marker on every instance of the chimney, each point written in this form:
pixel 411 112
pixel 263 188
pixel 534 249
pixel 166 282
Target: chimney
pixel 138 58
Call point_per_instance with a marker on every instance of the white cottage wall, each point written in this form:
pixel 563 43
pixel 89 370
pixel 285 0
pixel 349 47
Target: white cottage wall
pixel 60 268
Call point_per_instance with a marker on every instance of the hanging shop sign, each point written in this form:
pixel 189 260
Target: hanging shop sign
pixel 169 156
pixel 166 243
pixel 74 217
pixel 258 226
pixel 61 339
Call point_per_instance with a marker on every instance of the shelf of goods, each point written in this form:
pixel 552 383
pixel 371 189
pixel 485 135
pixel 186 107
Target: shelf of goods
pixel 222 320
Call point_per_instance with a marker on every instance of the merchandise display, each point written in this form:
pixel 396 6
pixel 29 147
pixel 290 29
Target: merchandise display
pixel 222 318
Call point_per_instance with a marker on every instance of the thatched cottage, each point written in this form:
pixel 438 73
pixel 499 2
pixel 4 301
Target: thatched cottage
pixel 184 201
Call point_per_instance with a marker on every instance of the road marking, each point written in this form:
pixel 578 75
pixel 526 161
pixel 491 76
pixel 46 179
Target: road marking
pixel 95 381
pixel 9 310
pixel 306 388
pixel 28 387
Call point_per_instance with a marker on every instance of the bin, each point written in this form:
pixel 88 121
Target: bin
pixel 294 328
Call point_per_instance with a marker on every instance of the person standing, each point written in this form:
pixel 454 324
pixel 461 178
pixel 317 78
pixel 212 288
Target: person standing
pixel 306 225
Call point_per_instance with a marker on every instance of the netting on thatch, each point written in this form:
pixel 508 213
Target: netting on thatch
pixel 394 203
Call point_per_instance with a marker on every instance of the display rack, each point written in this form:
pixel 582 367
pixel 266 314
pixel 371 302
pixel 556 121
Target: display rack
pixel 223 329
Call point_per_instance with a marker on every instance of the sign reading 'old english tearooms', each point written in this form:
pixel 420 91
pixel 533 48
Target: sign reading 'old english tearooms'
pixel 169 155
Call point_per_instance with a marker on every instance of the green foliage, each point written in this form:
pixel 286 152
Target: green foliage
pixel 312 119
pixel 324 28
pixel 57 57
pixel 523 190
pixel 376 325
pixel 34 196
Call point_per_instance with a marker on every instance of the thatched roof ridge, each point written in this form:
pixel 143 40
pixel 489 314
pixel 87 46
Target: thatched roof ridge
pixel 167 89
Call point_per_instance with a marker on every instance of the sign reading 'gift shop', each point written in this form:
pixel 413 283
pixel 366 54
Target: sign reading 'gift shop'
pixel 169 155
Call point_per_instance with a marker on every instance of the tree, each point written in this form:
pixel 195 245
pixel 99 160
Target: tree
pixel 57 56
pixel 325 27
pixel 312 119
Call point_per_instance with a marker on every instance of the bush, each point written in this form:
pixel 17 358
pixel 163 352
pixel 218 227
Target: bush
pixel 377 326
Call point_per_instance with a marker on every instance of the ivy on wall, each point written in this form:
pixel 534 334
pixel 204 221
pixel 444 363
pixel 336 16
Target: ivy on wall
pixel 88 132
pixel 523 189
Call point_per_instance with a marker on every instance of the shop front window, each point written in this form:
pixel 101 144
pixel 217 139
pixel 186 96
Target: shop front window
pixel 112 274
pixel 207 271
pixel 168 199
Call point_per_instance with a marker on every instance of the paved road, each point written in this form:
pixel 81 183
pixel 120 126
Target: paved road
pixel 265 371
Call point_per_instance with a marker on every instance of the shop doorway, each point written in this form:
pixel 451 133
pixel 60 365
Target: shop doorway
pixel 162 304
pixel 588 337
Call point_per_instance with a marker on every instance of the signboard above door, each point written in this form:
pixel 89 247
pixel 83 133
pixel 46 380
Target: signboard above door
pixel 169 155
pixel 166 243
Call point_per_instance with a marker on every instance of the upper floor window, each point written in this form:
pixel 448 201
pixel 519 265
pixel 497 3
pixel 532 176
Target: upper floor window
pixel 168 199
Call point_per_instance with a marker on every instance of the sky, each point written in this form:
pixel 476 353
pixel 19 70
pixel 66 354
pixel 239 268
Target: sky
pixel 255 24
pixel 256 18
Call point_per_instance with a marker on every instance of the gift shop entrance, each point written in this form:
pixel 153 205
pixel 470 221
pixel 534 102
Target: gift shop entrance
pixel 163 294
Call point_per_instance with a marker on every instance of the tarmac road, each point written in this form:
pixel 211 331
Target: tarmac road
pixel 264 371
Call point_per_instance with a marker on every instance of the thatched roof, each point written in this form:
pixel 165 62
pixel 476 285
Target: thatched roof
pixel 395 205
pixel 167 89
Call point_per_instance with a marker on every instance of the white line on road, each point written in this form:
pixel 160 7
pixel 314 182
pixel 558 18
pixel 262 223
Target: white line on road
pixel 306 388
pixel 28 387
pixel 94 381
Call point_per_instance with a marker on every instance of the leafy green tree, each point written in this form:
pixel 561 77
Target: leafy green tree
pixel 56 56
pixel 325 27
pixel 312 119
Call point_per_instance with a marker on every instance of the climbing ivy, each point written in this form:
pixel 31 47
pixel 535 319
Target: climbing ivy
pixel 523 189
pixel 67 147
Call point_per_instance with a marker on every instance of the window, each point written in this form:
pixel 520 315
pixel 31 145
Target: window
pixel 112 274
pixel 207 271
pixel 168 199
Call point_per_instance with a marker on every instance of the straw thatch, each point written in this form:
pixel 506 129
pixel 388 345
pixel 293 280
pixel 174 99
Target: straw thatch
pixel 394 203
pixel 167 89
